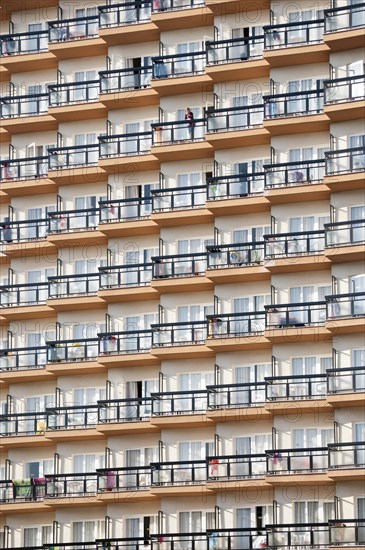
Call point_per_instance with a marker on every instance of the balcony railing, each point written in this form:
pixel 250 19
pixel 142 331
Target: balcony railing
pixel 285 461
pixel 23 230
pixel 129 341
pixel 23 294
pixel 73 29
pixel 346 455
pixel 24 43
pixel 115 210
pixel 174 5
pixel 235 186
pixel 174 198
pixel 294 535
pixel 182 64
pixel 235 255
pixel 235 118
pixel 236 395
pixel 339 90
pixel 305 386
pixel 179 334
pixel 178 472
pixel 347 532
pixel 71 485
pixel 22 490
pixel 73 92
pixel 169 133
pixel 293 34
pixel 28 423
pixel 125 276
pixel 73 156
pixel 235 539
pixel 295 315
pixel 345 233
pixel 135 543
pixel 68 418
pixel 122 145
pixel 179 265
pixel 23 105
pixel 345 161
pixel 234 49
pixel 124 410
pixel 236 324
pixel 72 350
pixel 126 13
pixel 346 380
pixel 23 358
pixel 345 305
pixel 282 245
pixel 73 285
pixel 24 168
pixel 345 17
pixel 73 220
pixel 294 173
pixel 179 402
pixel 124 479
pixel 73 546
pixel 293 104
pixel 235 467
pixel 120 80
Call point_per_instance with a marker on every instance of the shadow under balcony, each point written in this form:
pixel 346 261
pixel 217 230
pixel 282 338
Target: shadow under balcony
pixel 75 164
pixel 25 238
pixel 26 176
pixel 344 27
pixel 63 421
pixel 236 127
pixel 26 51
pixel 180 73
pixel 281 463
pixel 232 263
pixel 126 152
pixel 180 140
pixel 180 340
pixel 75 488
pixel 126 348
pixel 20 429
pixel 182 478
pixel 346 386
pixel 26 113
pixel 236 59
pixel 183 409
pixel 237 194
pixel 126 217
pixel 344 98
pixel 231 402
pixel 125 283
pixel 296 43
pixel 346 461
pixel 296 322
pixel 345 240
pixel 345 169
pixel 237 331
pixel 346 312
pixel 180 273
pixel 74 227
pixel 171 15
pixel 127 88
pixel 125 416
pixel 294 535
pixel 189 202
pixel 75 101
pixel 347 533
pixel 73 356
pixel 76 292
pixel 133 484
pixel 75 38
pixel 25 301
pixel 127 23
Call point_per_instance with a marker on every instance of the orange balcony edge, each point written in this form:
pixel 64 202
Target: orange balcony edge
pixel 237 343
pixel 75 367
pixel 241 205
pixel 130 99
pixel 130 164
pixel 345 182
pixel 126 228
pixel 349 253
pixel 71 176
pixel 127 428
pixel 238 138
pixel 298 193
pixel 129 360
pixel 78 111
pixel 78 238
pixel 292 335
pixel 238 274
pixel 293 264
pixel 240 70
pixel 40 249
pixel 73 49
pixel 346 326
pixel 30 62
pixel 21 188
pixel 183 151
pixel 347 399
pixel 201 16
pixel 27 312
pixel 183 284
pixel 348 110
pixel 239 414
pixel 187 351
pixel 37 123
pixel 76 303
pixel 347 474
pixel 297 55
pixel 291 408
pixel 293 479
pixel 182 85
pixel 128 294
pixel 24 507
pixel 130 34
pixel 219 7
pixel 84 434
pixel 344 40
pixel 29 375
pixel 140 495
pixel 176 218
pixel 302 123
pixel 182 421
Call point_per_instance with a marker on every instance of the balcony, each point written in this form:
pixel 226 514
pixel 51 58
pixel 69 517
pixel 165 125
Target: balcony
pixel 75 164
pixel 112 411
pixel 344 381
pixel 24 301
pixel 71 485
pixel 345 312
pixel 347 163
pixel 74 227
pixel 304 322
pixel 127 88
pixel 295 43
pixel 180 73
pixel 77 37
pixel 236 194
pixel 64 97
pixel 344 98
pixel 345 240
pixel 62 421
pixel 178 404
pixel 236 58
pixel 236 127
pixel 236 467
pixel 118 152
pixel 22 238
pixel 180 273
pixel 309 105
pixel 127 23
pixel 17 359
pixel 286 462
pixel 75 292
pixel 26 51
pixel 294 535
pixel 345 533
pixel 189 201
pixel 129 479
pixel 124 283
pixel 125 348
pixel 344 27
pixel 26 113
pixel 290 252
pixel 72 352
pixel 128 217
pixel 176 474
pixel 295 387
pixel 236 396
pixel 22 490
pixel 170 15
pixel 180 140
pixel 137 543
pixel 180 340
pixel 31 173
pixel 22 424
pixel 346 461
pixel 236 331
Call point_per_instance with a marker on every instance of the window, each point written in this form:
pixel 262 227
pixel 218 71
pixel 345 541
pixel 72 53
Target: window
pixel 88 396
pixel 38 469
pixel 311 437
pixel 88 531
pixel 195 450
pixel 194 381
pixel 86 463
pixel 140 457
pixel 186 314
pixel 37 536
pixel 255 444
pixel 313 512
pixel 310 365
pixel 196 522
pixel 140 527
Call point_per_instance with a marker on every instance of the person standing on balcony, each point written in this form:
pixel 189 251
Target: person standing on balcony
pixel 190 117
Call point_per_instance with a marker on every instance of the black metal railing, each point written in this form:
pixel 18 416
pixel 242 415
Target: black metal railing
pixel 73 285
pixel 129 341
pixel 23 358
pixel 282 245
pixel 250 394
pixel 179 402
pixel 23 230
pixel 239 538
pixel 136 478
pixel 235 255
pixel 339 90
pixel 23 105
pixel 174 5
pixel 22 490
pixel 294 173
pixel 125 276
pixel 294 535
pixel 235 118
pixel 293 104
pixel 23 294
pixel 345 161
pixel 24 43
pixel 345 305
pixel 73 29
pixel 135 543
pixel 235 467
pixel 179 265
pixel 28 423
pixel 119 80
pixel 293 34
pixel 73 220
pixel 182 64
pixel 121 145
pixel 295 315
pixel 235 186
pixel 73 156
pixel 23 168
pixel 345 17
pixel 179 334
pixel 124 410
pixel 346 455
pixel 346 380
pixel 174 198
pixel 72 350
pixel 72 546
pixel 115 210
pixel 178 472
pixel 68 418
pixel 304 386
pixel 285 461
pixel 71 485
pixel 168 133
pixel 344 233
pixel 236 324
pixel 234 49
pixel 126 13
pixel 73 92
pixel 347 532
